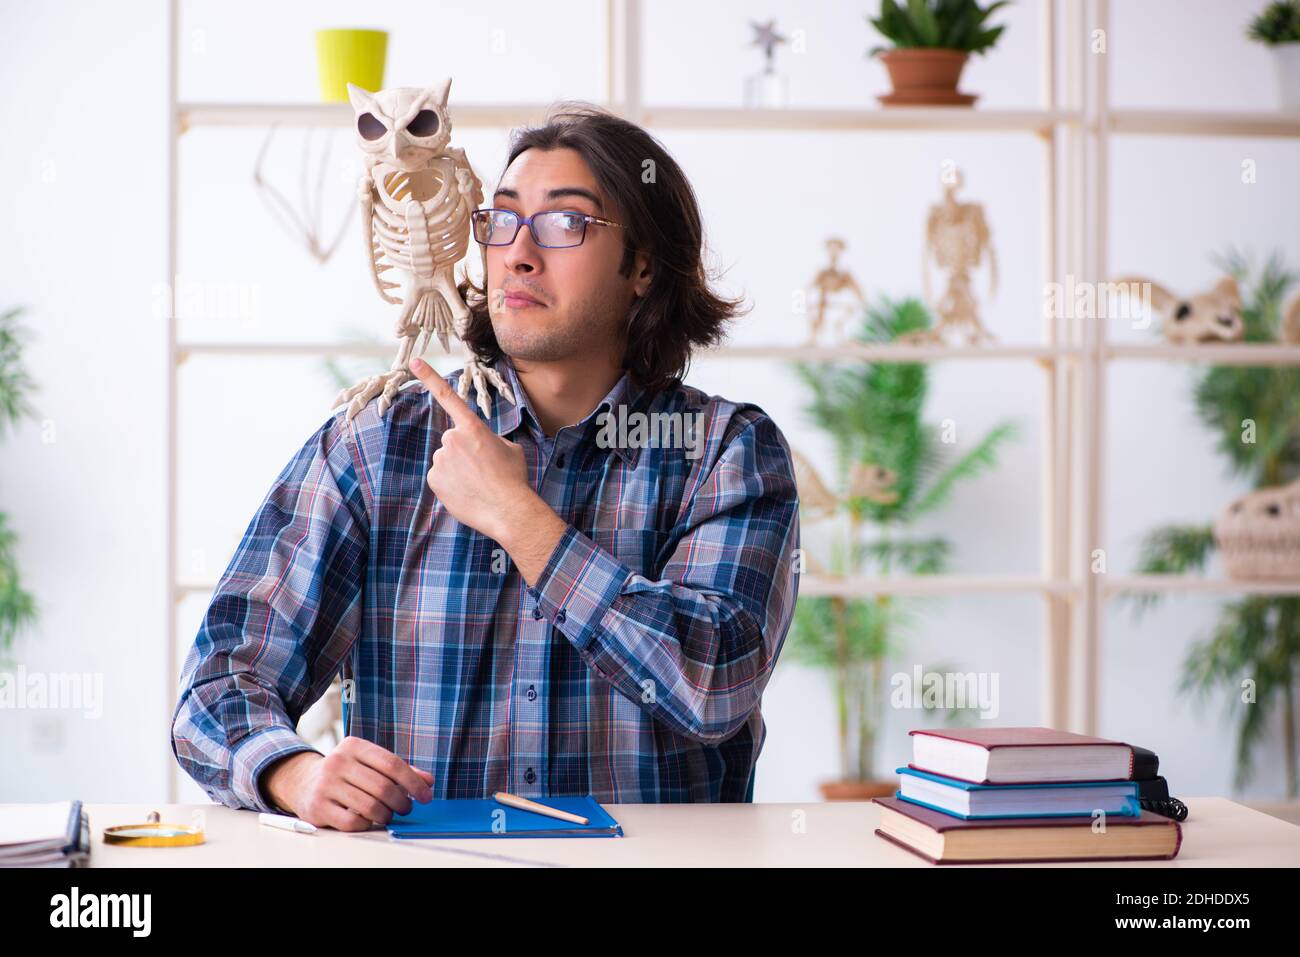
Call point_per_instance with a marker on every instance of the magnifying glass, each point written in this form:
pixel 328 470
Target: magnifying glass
pixel 154 833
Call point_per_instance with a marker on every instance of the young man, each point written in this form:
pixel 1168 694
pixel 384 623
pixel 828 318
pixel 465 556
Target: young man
pixel 585 592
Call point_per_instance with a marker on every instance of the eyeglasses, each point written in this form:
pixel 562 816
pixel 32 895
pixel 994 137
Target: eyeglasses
pixel 553 229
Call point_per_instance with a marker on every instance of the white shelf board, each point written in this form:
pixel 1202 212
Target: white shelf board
pixel 1227 353
pixel 854 586
pixel 486 115
pixel 815 353
pixel 920 119
pixel 865 586
pixel 1193 584
pixel 505 115
pixel 1205 123
pixel 1235 354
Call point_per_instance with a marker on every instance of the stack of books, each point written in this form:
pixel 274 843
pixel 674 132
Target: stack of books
pixel 1008 795
pixel 44 835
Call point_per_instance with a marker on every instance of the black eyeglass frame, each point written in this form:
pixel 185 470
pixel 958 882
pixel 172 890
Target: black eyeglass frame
pixel 479 215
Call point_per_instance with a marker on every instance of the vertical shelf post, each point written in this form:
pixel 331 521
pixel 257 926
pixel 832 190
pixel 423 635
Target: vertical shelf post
pixel 1053 518
pixel 171 592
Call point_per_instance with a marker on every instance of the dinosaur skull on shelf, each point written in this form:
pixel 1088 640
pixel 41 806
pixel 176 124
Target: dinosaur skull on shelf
pixel 416 193
pixel 1212 316
pixel 1259 534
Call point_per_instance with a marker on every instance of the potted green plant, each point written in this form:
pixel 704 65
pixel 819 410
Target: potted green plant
pixel 1256 638
pixel 932 40
pixel 1278 28
pixel 893 469
pixel 17 607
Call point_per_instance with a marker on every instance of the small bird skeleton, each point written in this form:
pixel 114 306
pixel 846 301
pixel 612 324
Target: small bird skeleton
pixel 416 193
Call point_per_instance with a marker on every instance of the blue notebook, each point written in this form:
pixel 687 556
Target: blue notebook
pixel 973 802
pixel 488 818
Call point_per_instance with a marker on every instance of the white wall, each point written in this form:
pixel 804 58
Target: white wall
pixel 84 174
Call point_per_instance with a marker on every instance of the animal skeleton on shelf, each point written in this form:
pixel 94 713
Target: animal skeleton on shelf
pixel 816 500
pixel 416 193
pixel 957 238
pixel 1259 534
pixel 1212 316
pixel 829 283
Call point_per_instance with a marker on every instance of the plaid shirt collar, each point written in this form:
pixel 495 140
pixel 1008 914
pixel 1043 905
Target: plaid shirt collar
pixel 507 416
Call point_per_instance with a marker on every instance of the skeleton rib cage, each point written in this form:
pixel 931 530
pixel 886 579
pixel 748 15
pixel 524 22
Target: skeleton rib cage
pixel 419 221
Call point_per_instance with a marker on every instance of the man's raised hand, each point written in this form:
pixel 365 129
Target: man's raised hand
pixel 479 477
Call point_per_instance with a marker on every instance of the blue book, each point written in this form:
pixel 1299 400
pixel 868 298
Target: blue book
pixel 973 802
pixel 478 818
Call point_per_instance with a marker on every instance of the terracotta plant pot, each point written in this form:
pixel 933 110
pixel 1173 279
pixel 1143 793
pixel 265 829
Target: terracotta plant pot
pixel 857 790
pixel 925 77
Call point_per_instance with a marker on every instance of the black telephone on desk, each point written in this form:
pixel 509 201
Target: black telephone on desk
pixel 1153 790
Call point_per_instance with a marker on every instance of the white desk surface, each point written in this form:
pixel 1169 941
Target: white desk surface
pixel 1217 833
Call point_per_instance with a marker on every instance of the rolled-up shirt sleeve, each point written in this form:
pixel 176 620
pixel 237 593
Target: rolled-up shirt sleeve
pixel 283 616
pixel 696 647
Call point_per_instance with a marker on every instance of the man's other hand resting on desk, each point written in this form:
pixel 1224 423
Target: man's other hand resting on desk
pixel 324 789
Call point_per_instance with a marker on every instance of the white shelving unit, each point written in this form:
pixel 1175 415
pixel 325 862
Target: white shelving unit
pixel 1073 127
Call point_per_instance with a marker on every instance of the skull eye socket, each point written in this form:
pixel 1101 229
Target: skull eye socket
pixel 370 127
pixel 424 124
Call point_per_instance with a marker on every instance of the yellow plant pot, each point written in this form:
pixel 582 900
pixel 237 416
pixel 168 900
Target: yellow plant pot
pixel 350 56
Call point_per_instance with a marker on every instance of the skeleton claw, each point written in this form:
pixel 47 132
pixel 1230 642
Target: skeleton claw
pixel 481 375
pixel 385 387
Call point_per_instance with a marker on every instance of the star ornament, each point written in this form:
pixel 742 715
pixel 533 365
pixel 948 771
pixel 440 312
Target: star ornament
pixel 765 36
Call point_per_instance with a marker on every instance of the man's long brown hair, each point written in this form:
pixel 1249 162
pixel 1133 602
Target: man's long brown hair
pixel 654 201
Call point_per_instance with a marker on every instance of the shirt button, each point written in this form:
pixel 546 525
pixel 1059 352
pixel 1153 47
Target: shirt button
pixel 532 693
pixel 559 617
pixel 530 776
pixel 537 613
pixel 559 461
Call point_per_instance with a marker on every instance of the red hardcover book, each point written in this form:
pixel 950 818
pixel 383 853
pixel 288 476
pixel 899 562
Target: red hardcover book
pixel 943 839
pixel 1020 756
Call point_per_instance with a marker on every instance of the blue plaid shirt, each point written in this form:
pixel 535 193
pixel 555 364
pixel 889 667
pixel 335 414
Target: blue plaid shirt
pixel 632 671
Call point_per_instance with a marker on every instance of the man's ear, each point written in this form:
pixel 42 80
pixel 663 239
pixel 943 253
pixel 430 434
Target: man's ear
pixel 641 271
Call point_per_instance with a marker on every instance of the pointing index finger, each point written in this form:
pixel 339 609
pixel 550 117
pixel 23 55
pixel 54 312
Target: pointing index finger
pixel 462 416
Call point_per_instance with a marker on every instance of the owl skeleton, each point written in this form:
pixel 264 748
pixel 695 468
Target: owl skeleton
pixel 416 193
